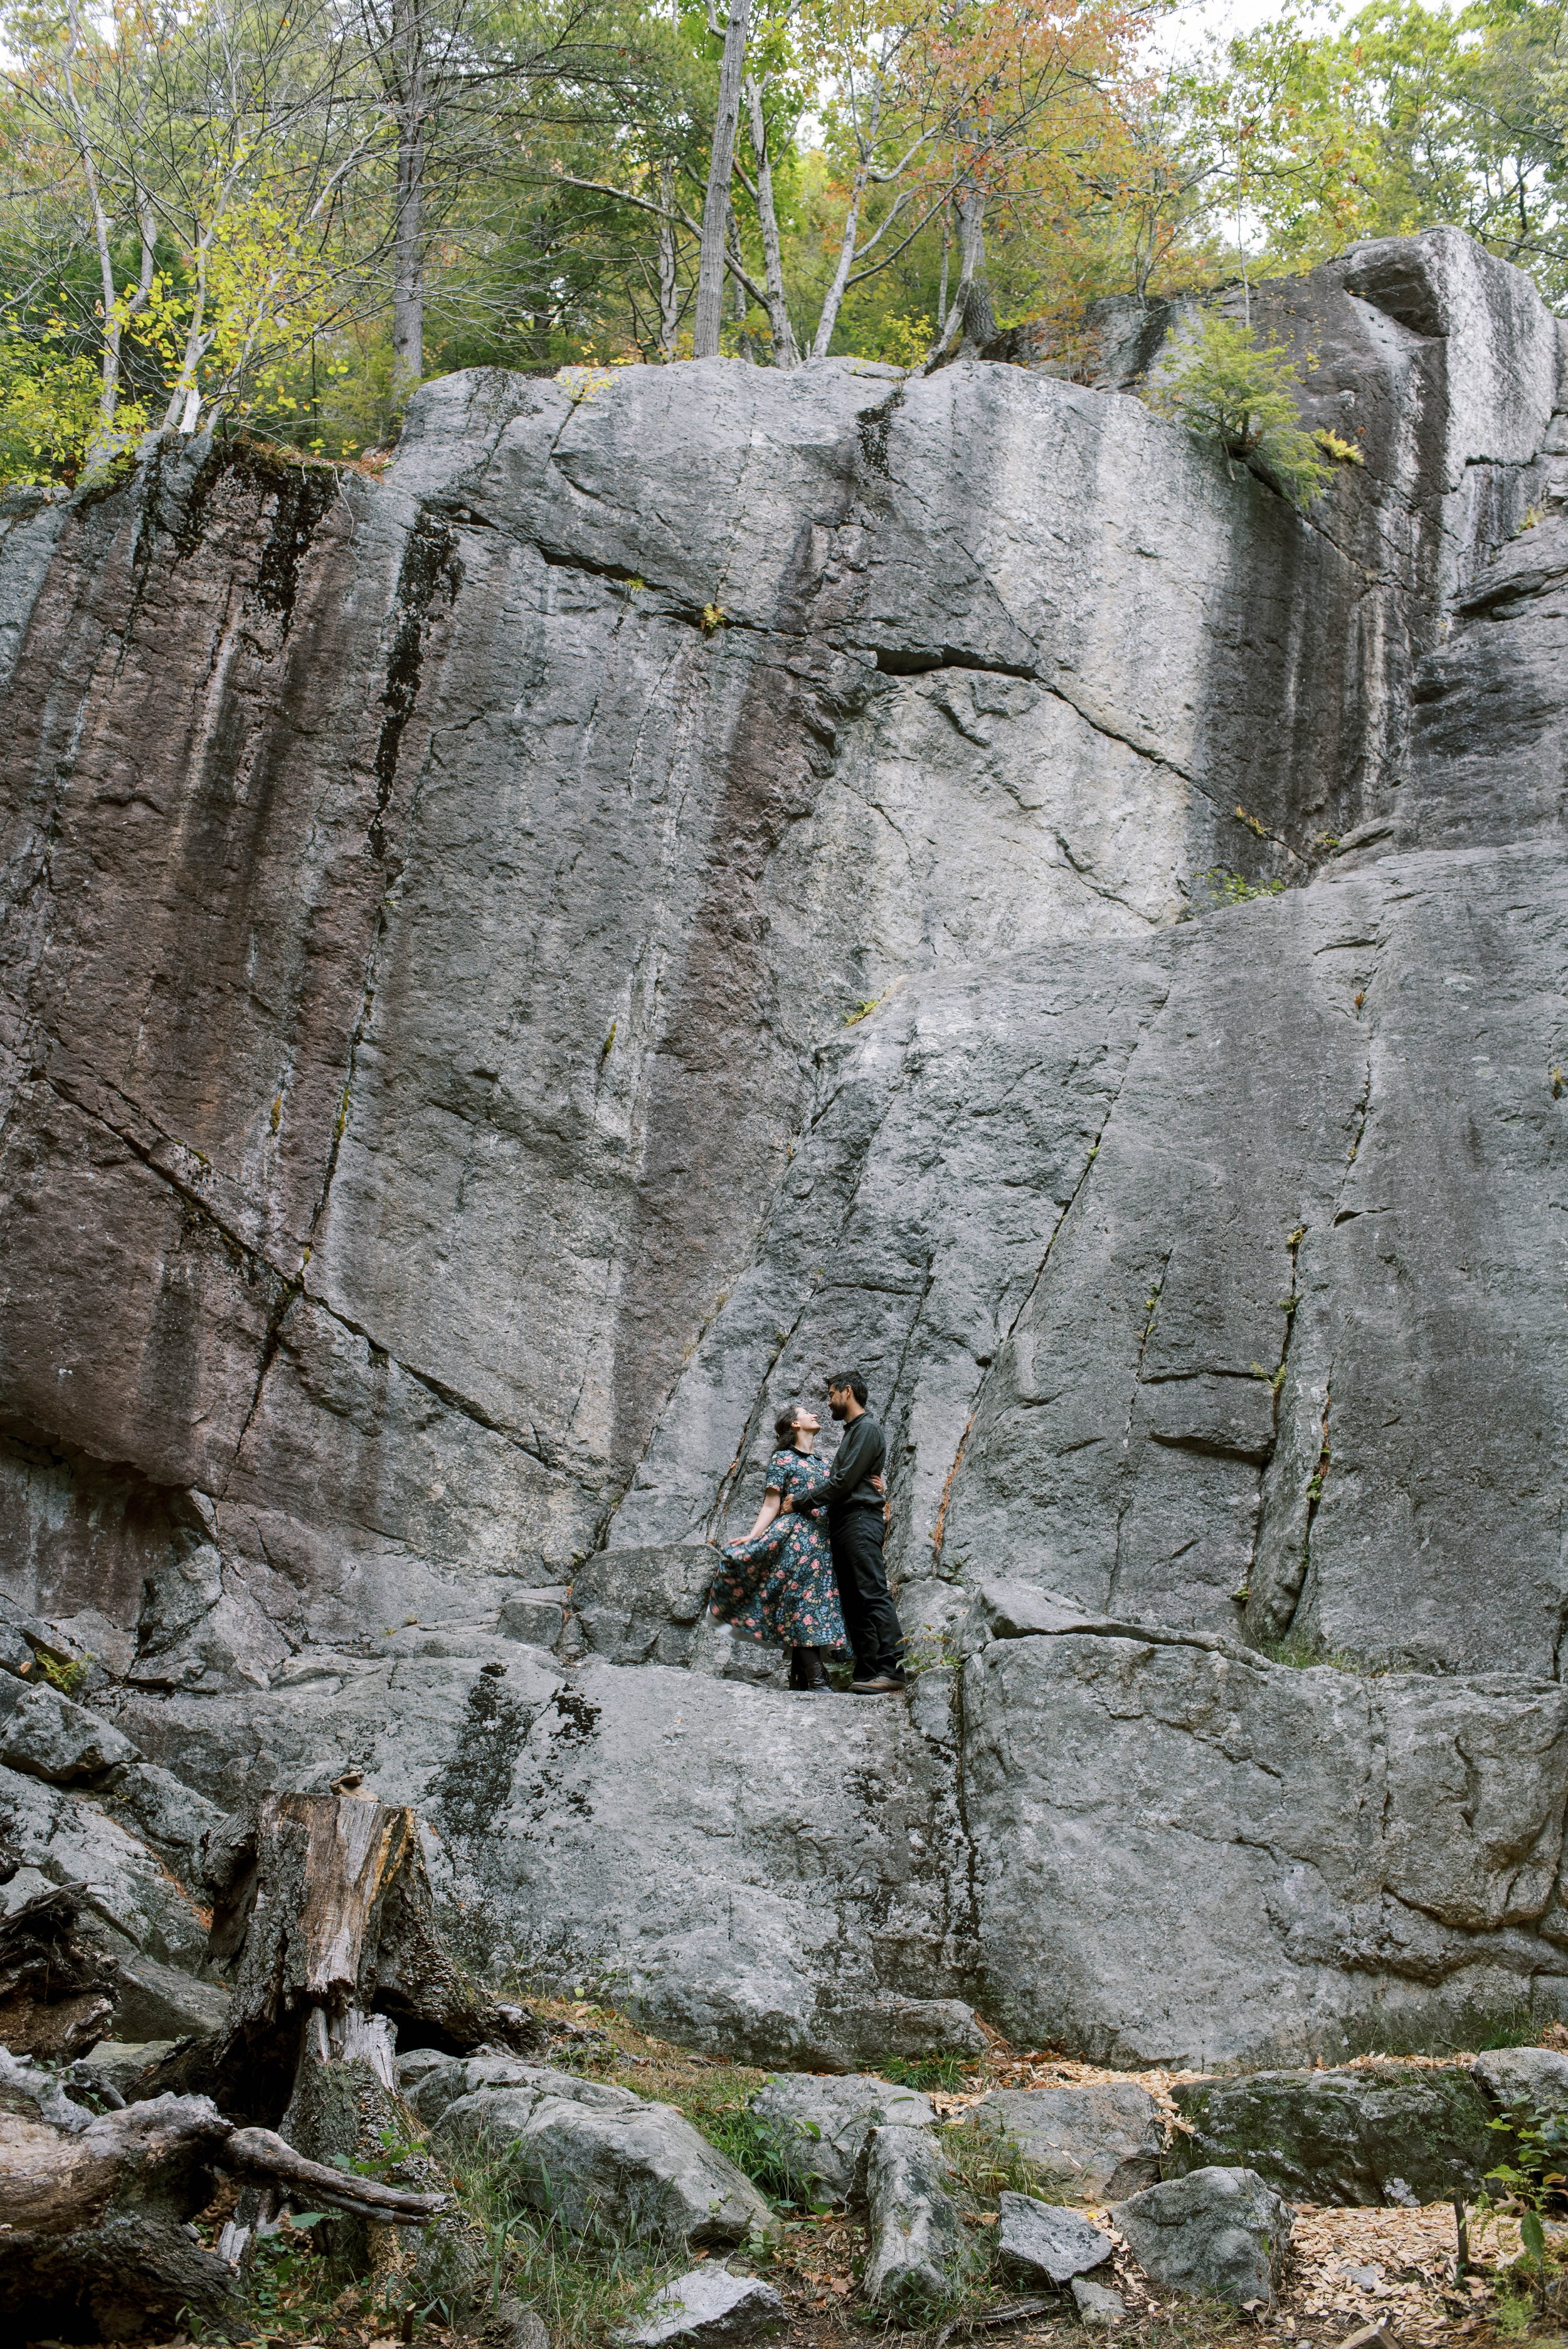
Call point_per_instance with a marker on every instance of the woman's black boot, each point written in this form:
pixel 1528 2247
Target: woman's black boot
pixel 813 1678
pixel 797 1667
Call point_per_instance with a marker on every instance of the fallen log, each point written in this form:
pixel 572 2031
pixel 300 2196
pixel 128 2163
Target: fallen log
pixel 95 2206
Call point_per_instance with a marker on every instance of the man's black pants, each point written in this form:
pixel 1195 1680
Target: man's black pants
pixel 870 1616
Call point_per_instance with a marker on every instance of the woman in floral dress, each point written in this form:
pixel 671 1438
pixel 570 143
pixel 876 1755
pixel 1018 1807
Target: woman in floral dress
pixel 778 1584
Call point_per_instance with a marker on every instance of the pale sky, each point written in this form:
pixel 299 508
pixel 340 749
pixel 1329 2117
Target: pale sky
pixel 1197 21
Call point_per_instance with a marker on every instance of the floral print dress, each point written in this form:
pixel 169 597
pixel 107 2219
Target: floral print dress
pixel 780 1588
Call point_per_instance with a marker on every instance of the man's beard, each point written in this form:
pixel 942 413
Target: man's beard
pixel 838 1411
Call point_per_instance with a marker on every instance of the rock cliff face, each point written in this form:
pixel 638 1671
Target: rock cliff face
pixel 436 1133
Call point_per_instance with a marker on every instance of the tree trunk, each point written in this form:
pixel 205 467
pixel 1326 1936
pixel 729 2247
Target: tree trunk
pixel 828 318
pixel 785 353
pixel 721 164
pixel 669 284
pixel 835 293
pixel 972 302
pixel 736 289
pixel 409 199
pixel 101 444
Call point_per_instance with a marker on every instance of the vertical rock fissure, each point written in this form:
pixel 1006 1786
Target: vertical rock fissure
pixel 1151 1012
pixel 429 563
pixel 1129 1478
pixel 1289 1306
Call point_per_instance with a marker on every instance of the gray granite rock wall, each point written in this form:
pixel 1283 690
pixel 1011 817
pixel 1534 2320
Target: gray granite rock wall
pixel 512 970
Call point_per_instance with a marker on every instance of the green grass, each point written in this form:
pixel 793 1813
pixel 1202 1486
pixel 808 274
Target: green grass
pixel 771 2157
pixel 987 2162
pixel 950 2074
pixel 581 2288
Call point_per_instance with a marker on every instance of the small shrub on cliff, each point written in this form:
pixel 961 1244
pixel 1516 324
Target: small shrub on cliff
pixel 1241 393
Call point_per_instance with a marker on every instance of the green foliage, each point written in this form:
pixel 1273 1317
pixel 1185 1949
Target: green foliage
pixel 987 2162
pixel 1344 452
pixel 1392 118
pixel 1532 2179
pixel 1303 1654
pixel 771 2155
pixel 949 2074
pixel 1228 888
pixel 1534 2172
pixel 66 1678
pixel 930 1651
pixel 1232 388
pixel 48 405
pixel 582 2290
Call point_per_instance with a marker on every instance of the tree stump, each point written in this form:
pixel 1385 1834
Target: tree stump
pixel 324 1907
pixel 324 1913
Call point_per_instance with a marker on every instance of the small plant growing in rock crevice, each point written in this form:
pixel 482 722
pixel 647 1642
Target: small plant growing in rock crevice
pixel 66 1678
pixel 1344 452
pixel 1232 388
pixel 1228 888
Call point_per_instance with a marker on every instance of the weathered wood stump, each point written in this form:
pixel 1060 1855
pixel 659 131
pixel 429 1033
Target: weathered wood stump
pixel 325 1907
pixel 323 1911
pixel 324 1914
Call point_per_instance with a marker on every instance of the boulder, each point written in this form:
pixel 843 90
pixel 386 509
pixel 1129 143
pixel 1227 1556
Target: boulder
pixel 1038 2240
pixel 159 2002
pixel 607 2162
pixel 706 2310
pixel 120 2064
pixel 582 1821
pixel 1384 2133
pixel 44 1736
pixel 1221 2233
pixel 825 2120
pixel 66 1836
pixel 917 2249
pixel 1293 1936
pixel 1093 2143
pixel 534 1617
pixel 1536 2076
pixel 644 1606
pixel 1096 2302
pixel 167 1813
pixel 430 2079
pixel 520 2326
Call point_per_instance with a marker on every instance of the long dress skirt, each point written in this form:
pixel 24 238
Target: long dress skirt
pixel 779 1589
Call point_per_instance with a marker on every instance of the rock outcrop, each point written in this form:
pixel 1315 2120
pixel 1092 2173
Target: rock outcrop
pixel 511 971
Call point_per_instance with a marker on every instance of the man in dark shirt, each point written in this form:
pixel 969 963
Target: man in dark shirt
pixel 854 1507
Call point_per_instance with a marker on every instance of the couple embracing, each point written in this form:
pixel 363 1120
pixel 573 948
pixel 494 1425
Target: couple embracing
pixel 810 1575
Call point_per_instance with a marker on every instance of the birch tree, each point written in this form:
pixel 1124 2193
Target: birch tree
pixel 720 170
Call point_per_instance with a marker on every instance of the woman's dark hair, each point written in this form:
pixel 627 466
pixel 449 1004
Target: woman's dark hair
pixel 784 1425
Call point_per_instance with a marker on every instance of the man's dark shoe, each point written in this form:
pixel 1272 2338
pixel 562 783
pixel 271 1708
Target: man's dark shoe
pixel 879 1684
